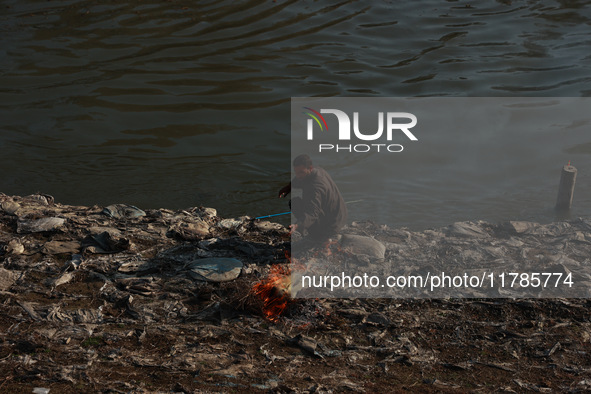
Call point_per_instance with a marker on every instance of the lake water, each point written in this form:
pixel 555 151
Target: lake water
pixel 177 104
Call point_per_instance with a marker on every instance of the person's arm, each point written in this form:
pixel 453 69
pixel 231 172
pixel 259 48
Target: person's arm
pixel 312 209
pixel 285 190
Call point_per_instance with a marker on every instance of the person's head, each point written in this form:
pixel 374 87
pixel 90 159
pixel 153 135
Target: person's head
pixel 302 166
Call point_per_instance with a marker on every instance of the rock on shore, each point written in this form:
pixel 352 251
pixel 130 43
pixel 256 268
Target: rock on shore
pixel 117 299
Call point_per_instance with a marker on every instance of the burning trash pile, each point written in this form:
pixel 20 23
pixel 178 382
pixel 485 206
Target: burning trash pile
pixel 119 299
pixel 275 291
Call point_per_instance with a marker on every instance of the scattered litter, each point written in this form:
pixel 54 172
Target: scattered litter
pixel 216 269
pixel 269 226
pixel 467 229
pixel 309 345
pixel 10 207
pixel 192 231
pixel 88 300
pixel 15 247
pixel 43 199
pixel 358 244
pixel 39 225
pixel 63 279
pixel 106 240
pixel 7 279
pixel 228 224
pixel 61 247
pixel 123 211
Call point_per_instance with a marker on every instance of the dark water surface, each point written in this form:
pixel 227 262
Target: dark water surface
pixel 177 104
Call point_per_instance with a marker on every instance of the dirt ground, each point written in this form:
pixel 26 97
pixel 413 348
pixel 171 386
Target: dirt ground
pixel 121 315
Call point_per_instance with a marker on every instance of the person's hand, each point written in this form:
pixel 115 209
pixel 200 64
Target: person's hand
pixel 285 191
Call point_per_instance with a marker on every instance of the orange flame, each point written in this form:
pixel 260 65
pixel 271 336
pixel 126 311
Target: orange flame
pixel 274 290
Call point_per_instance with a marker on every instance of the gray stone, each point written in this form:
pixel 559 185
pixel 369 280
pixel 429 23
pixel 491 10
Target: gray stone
pixel 359 244
pixel 216 269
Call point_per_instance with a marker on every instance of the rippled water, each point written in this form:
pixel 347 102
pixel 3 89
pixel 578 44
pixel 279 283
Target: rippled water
pixel 176 104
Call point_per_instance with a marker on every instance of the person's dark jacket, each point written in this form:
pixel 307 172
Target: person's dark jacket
pixel 323 211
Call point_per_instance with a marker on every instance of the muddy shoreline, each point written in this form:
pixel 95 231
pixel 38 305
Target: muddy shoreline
pixel 109 299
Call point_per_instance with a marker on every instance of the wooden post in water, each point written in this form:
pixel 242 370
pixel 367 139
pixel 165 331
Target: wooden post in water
pixel 566 188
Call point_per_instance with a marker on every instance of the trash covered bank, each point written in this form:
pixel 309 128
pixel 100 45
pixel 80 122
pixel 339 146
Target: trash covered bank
pixel 118 299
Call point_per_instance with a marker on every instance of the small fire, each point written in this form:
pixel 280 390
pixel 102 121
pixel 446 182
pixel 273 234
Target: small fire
pixel 275 290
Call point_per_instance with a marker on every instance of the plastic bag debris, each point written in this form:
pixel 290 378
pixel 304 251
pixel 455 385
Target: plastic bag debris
pixel 123 211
